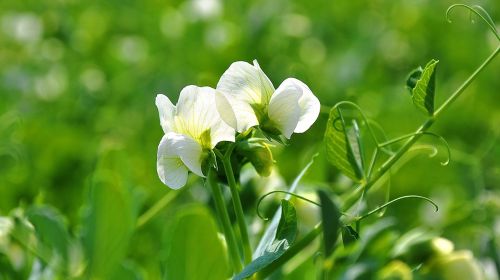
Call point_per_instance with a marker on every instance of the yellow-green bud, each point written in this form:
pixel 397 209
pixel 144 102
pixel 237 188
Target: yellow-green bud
pixel 395 270
pixel 259 154
pixel 456 265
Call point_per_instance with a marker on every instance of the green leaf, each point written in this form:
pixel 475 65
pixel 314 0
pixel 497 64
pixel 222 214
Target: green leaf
pixel 192 248
pixel 108 226
pixel 269 234
pixel 50 229
pixel 285 236
pixel 423 91
pixel 349 235
pixel 330 215
pixel 343 145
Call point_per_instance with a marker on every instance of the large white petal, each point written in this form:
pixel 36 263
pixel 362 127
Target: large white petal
pixel 170 168
pixel 309 105
pixel 167 112
pixel 197 114
pixel 284 108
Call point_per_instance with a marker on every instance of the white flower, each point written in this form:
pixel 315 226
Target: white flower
pixel 245 98
pixel 192 128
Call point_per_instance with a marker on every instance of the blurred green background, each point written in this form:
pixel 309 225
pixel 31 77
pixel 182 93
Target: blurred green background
pixel 78 81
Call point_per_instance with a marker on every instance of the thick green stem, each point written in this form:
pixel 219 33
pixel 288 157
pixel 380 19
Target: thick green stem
pixel 238 208
pixel 221 209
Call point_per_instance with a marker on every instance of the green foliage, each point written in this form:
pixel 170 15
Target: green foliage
pixel 108 226
pixel 343 145
pixel 191 247
pixel 284 238
pixel 330 215
pixel 422 84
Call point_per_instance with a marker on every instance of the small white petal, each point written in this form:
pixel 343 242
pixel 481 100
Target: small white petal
pixel 246 82
pixel 309 106
pixel 170 168
pixel 284 108
pixel 236 113
pixel 197 114
pixel 167 112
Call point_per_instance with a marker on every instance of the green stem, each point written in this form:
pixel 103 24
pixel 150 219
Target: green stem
pixel 155 209
pixel 221 209
pixel 238 208
pixel 417 134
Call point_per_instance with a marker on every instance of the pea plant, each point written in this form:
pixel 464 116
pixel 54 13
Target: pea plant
pixel 216 134
pixel 212 133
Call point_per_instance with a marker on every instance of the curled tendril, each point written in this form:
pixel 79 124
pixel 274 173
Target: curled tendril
pixel 444 163
pixel 286 192
pixel 395 200
pixel 480 12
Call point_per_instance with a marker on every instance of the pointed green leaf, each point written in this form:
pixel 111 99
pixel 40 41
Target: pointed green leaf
pixel 192 248
pixel 343 145
pixel 285 236
pixel 423 92
pixel 330 216
pixel 349 235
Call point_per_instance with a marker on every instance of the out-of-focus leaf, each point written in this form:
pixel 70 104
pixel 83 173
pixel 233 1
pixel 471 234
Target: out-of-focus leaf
pixel 343 145
pixel 423 91
pixel 127 271
pixel 349 235
pixel 192 247
pixel 285 236
pixel 269 234
pixel 108 226
pixel 330 216
pixel 50 229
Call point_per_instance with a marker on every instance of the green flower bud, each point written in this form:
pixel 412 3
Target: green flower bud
pixel 259 154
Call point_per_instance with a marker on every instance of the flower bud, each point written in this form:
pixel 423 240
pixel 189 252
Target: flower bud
pixel 456 265
pixel 259 154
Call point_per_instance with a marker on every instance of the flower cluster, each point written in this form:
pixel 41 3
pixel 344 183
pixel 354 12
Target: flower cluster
pixel 244 99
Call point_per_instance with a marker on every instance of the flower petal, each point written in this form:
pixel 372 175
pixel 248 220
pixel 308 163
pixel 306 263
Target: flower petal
pixel 167 112
pixel 236 113
pixel 181 148
pixel 284 109
pixel 309 106
pixel 197 115
pixel 244 86
pixel 170 168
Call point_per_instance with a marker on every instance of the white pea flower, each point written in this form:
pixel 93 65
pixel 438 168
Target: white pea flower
pixel 246 97
pixel 192 128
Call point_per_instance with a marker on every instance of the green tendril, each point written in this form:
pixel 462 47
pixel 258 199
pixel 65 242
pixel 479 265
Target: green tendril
pixel 395 200
pixel 363 116
pixel 444 163
pixel 285 192
pixel 480 12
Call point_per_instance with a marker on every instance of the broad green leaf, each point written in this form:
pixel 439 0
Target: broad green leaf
pixel 349 235
pixel 269 234
pixel 50 230
pixel 330 216
pixel 343 146
pixel 285 236
pixel 108 226
pixel 423 91
pixel 192 247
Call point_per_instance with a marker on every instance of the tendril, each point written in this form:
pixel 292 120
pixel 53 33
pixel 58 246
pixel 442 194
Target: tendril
pixel 363 116
pixel 286 192
pixel 395 200
pixel 390 142
pixel 480 12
